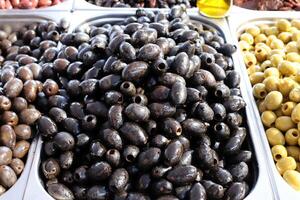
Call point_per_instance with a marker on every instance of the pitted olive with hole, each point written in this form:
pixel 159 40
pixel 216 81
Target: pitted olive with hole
pixel 145 108
pixel 271 55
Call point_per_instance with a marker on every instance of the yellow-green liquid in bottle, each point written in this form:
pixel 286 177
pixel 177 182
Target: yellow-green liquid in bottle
pixel 214 8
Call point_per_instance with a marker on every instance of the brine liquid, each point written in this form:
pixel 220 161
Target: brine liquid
pixel 214 8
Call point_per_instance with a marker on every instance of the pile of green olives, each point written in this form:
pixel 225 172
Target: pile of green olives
pixel 23 53
pixel 271 54
pixel 148 108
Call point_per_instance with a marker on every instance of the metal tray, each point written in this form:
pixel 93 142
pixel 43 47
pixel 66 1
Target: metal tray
pixel 66 5
pixel 238 22
pixel 261 183
pixel 16 192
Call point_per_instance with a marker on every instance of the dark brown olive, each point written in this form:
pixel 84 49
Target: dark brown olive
pixel 111 138
pixel 59 191
pixel 162 187
pixel 221 131
pixel 197 192
pixel 30 90
pixel 66 159
pixel 205 156
pixel 60 65
pixel 19 104
pixel 242 156
pixel 71 125
pixel 182 175
pixel 186 158
pixel 10 118
pixel 7 176
pixel 194 127
pixel 160 93
pixel 149 52
pixel 204 112
pixel 213 190
pixel 67 177
pixel 171 127
pixel 23 132
pixel 17 165
pixel 118 180
pixel 57 114
pixel 236 191
pixel 234 103
pixel 149 158
pixel 97 108
pixel 46 126
pixel 113 157
pixel 137 113
pixel 7 136
pixel 227 49
pixel 162 110
pixel 89 123
pixel 97 150
pixel 115 43
pixel 219 112
pixel 130 153
pixel 64 141
pixel 221 176
pixel 80 174
pixel 182 192
pixel 76 110
pixel 115 116
pixel 5 103
pixel 113 97
pixel 178 93
pixel 50 149
pixel 109 82
pixel 168 79
pixel 21 149
pixel 29 116
pixel 173 153
pixel 50 87
pixel 58 101
pixel 235 142
pixel 128 88
pixel 99 171
pixel 232 79
pixel 135 71
pixel 7 75
pixel 181 63
pixel 134 133
pixel 144 36
pixel 50 168
pixel 239 171
pixel 13 87
pixel 221 91
pixel 5 155
pixel 159 141
pixel 205 78
pixel 24 73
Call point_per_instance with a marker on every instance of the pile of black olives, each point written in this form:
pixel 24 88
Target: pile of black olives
pixel 22 54
pixel 148 109
pixel 143 3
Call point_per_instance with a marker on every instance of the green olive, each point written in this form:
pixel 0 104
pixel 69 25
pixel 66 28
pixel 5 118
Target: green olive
pixel 273 100
pixel 284 123
pixel 275 136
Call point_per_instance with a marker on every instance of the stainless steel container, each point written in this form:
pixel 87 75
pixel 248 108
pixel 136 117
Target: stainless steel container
pixel 261 184
pixel 18 20
pixel 238 21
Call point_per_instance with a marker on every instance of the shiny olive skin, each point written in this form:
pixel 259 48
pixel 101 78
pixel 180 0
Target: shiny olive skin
pixel 134 133
pixel 137 113
pixel 5 155
pixel 173 153
pixel 47 127
pixel 64 141
pixel 182 175
pixel 197 192
pixel 213 190
pixel 17 165
pixel 236 191
pixel 99 171
pixel 7 136
pixel 60 191
pixel 7 176
pixel 118 180
pixel 149 158
pixel 111 138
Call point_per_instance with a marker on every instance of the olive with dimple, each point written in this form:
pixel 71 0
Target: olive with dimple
pixel 17 165
pixel 7 176
pixel 173 153
pixel 21 148
pixel 134 133
pixel 99 171
pixel 118 180
pixel 182 175
pixel 149 158
pixel 46 126
pixel 66 159
pixel 50 168
pixel 13 87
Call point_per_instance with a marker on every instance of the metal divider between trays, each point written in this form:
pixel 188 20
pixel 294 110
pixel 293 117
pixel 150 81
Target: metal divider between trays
pixel 35 189
pixel 238 23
